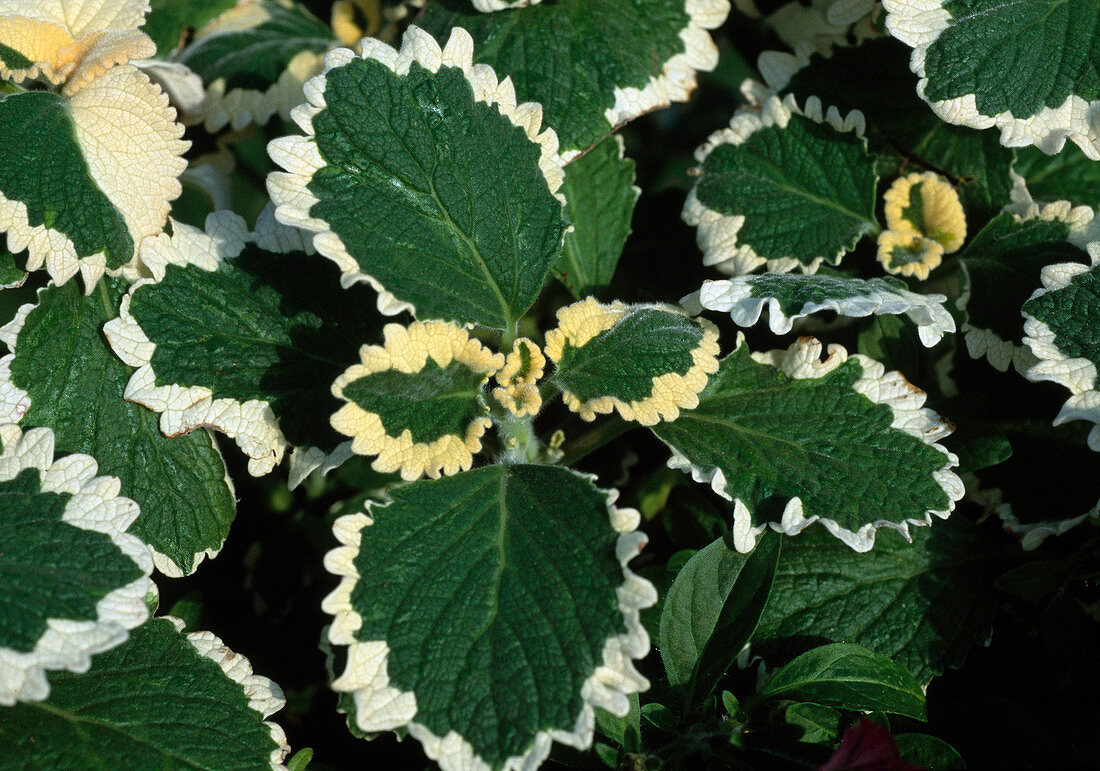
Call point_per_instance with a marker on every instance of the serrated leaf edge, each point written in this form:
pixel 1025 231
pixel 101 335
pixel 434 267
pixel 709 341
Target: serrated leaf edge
pixel 380 707
pixel 299 156
pixel 919 23
pixel 15 403
pixel 802 360
pixel 1032 534
pixel 96 506
pixel 676 80
pixel 252 425
pixel 670 392
pixel 1078 375
pixel 735 297
pixel 408 349
pixel 716 232
pixel 489 6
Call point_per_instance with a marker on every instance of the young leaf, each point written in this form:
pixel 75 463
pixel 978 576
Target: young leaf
pixel 1062 329
pixel 790 297
pixel 711 611
pixel 600 195
pixel 180 483
pixel 243 341
pixel 417 402
pixel 783 187
pixel 923 604
pixel 160 700
pixel 1027 67
pixel 457 219
pixel 646 361
pixel 820 725
pixel 592 64
pixel 1003 264
pixel 848 677
pixel 840 441
pixel 254 59
pixel 11 275
pixel 72 581
pixel 503 587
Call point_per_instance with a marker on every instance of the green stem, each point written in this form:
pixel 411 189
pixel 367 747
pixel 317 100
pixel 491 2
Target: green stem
pixel 105 298
pixel 603 433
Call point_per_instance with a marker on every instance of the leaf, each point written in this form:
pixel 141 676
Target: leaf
pixel 710 612
pixel 929 752
pixel 922 604
pixel 1070 175
pixel 848 677
pixel 171 22
pixel 457 219
pixel 92 174
pixel 1062 329
pixel 600 195
pixel 790 297
pixel 12 275
pixel 504 587
pixel 820 725
pixel 244 341
pixel 592 64
pixel 72 581
pixel 788 437
pixel 874 78
pixel 646 361
pixel 1002 266
pixel 783 187
pixel 254 59
pixel 418 402
pixel 892 341
pixel 180 483
pixel 161 700
pixel 1027 67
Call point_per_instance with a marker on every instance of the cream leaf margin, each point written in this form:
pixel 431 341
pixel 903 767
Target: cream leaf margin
pixel 382 707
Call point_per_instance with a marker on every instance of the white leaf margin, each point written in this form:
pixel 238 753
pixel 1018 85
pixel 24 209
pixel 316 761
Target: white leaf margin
pixel 716 232
pixel 1078 375
pixel 264 695
pixel 1032 534
pixel 251 424
pixel 301 159
pixel 735 297
pixel 677 79
pixel 15 403
pixel 489 6
pixel 802 361
pixel 96 506
pixel 919 23
pixel 381 707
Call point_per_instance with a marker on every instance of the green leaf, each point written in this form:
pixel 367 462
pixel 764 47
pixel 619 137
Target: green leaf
pixel 820 725
pixel 791 297
pixel 1027 67
pixel 253 60
pixel 170 22
pixel 93 174
pixel 161 700
pixel 874 78
pixel 180 483
pixel 625 730
pixel 457 218
pixel 922 604
pixel 1070 175
pixel 788 437
pixel 646 361
pixel 1062 329
pixel 848 677
pixel 600 195
pixel 12 275
pixel 72 581
pixel 783 187
pixel 503 587
pixel 929 752
pixel 591 64
pixel 893 341
pixel 243 341
pixel 1003 264
pixel 711 611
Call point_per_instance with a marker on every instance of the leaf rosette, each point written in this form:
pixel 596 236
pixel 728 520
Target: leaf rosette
pixel 418 400
pixel 647 362
pixel 73 581
pixel 752 206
